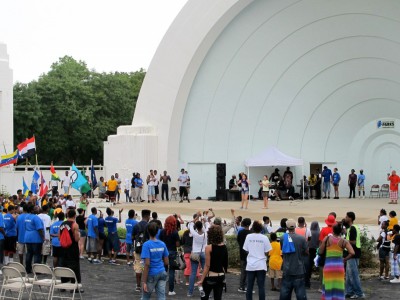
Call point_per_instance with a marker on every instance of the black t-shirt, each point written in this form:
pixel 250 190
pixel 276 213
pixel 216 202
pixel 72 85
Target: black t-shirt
pixel 353 237
pixel 80 220
pixel 241 238
pixel 219 259
pixel 170 240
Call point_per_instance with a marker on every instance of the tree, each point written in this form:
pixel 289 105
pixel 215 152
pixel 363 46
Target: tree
pixel 77 110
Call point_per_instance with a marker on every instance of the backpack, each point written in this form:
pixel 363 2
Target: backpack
pixel 140 238
pixel 65 236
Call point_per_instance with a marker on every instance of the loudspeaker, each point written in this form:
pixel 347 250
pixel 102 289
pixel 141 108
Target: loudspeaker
pixel 221 195
pixel 221 183
pixel 221 170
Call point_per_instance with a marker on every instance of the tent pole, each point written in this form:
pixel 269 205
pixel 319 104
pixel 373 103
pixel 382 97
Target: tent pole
pixel 302 177
pixel 248 178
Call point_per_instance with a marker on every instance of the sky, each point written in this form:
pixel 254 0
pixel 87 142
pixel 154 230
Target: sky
pixel 117 35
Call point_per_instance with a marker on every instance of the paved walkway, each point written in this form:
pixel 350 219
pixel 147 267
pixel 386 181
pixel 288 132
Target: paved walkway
pixel 118 282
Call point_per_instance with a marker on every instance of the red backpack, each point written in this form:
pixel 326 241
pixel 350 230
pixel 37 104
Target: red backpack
pixel 65 236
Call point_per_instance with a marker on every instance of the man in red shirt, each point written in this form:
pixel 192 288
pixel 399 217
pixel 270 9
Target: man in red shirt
pixel 330 222
pixel 394 187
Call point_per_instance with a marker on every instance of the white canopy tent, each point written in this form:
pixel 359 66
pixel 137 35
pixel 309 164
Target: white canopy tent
pixel 273 157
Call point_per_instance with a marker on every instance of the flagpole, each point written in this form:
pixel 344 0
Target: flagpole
pixel 91 181
pixel 37 164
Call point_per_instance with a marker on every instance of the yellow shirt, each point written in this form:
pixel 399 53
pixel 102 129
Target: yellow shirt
pixel 112 185
pixel 6 205
pixel 275 256
pixel 392 221
pixel 44 202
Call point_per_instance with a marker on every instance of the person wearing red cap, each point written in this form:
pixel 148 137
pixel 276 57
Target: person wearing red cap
pixel 394 187
pixel 330 221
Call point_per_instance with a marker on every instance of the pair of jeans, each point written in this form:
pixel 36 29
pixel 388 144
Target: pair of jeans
pixel 353 284
pixel 171 271
pixel 194 265
pixel 156 283
pixel 290 283
pixel 214 283
pixel 33 250
pixel 243 274
pixel 352 190
pixel 251 277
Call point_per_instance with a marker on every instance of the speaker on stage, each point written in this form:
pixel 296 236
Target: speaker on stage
pixel 221 184
pixel 221 170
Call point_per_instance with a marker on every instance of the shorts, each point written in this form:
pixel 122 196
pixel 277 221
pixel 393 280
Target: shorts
pixel 336 184
pixel 46 248
pixel 361 188
pixel 111 194
pixel 277 274
pixel 245 192
pixel 83 233
pixel 91 246
pixel 113 242
pixel 151 190
pixel 21 248
pixel 10 244
pixel 57 251
pixel 265 194
pixel 138 266
pixel 129 249
pixel 156 190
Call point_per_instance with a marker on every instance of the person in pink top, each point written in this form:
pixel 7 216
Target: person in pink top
pixel 394 187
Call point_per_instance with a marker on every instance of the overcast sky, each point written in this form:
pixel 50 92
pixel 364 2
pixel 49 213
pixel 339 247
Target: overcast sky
pixel 117 35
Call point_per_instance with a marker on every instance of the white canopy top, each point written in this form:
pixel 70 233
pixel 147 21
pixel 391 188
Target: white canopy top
pixel 273 157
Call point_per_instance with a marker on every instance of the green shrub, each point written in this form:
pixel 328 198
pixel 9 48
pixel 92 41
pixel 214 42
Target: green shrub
pixel 368 257
pixel 121 232
pixel 233 251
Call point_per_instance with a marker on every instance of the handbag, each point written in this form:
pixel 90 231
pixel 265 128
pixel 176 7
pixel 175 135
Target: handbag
pixel 196 256
pixel 180 262
pixel 288 244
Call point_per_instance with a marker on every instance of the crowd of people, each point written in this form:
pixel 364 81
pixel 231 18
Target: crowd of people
pixel 34 229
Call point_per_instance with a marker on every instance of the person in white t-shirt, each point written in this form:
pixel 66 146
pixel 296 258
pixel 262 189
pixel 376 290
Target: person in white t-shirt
pixel 127 188
pixel 257 245
pixel 66 182
pixel 183 180
pixel 151 192
pixel 46 248
pixel 70 203
pixel 382 217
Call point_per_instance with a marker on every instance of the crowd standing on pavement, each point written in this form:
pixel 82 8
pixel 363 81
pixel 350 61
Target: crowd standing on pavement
pixel 62 227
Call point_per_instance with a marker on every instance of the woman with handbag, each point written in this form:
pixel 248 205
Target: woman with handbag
pixel 333 280
pixel 169 235
pixel 199 243
pixel 213 278
pixel 187 243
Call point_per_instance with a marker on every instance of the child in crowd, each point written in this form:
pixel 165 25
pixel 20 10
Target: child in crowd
pixel 275 262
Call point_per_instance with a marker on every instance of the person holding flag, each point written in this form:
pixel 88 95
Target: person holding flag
pixel 78 181
pixel 54 181
pixel 34 184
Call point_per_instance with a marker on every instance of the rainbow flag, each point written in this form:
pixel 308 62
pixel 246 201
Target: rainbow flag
pixel 9 159
pixel 54 175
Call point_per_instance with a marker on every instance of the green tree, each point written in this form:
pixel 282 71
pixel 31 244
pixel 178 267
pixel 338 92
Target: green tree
pixel 78 109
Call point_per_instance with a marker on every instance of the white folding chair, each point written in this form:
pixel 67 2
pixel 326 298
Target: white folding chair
pixel 22 270
pixel 43 277
pixel 68 286
pixel 10 284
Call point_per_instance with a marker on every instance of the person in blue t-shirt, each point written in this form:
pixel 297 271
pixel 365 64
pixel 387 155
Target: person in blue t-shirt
pixel 10 242
pixel 155 256
pixel 129 225
pixel 112 238
pixel 361 184
pixel 102 236
pixel 93 236
pixel 335 181
pixel 138 188
pixel 55 240
pixel 34 237
pixel 21 248
pixel 2 233
pixel 327 179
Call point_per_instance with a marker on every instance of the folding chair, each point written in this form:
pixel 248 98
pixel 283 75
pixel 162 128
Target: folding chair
pixel 22 270
pixel 174 193
pixel 12 285
pixel 374 191
pixel 58 285
pixel 384 190
pixel 43 277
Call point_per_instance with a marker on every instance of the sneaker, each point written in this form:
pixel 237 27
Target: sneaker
pixel 138 289
pixel 171 293
pixel 181 202
pixel 395 280
pixel 82 257
pixel 96 261
pixel 357 297
pixel 189 295
pixel 89 259
pixel 240 290
pixel 381 277
pixel 111 261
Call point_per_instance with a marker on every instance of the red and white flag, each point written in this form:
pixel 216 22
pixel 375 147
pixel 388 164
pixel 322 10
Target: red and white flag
pixel 43 186
pixel 27 148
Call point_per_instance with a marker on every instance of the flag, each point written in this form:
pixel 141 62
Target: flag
pixel 34 184
pixel 78 181
pixel 43 186
pixel 93 175
pixel 54 175
pixel 25 187
pixel 27 148
pixel 9 159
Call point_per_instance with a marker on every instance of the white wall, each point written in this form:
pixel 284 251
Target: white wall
pixel 6 103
